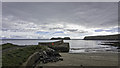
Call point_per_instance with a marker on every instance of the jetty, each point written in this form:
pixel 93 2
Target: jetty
pixel 51 42
pixel 57 45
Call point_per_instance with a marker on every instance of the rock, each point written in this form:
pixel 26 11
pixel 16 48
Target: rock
pixel 50 55
pixel 118 48
pixel 57 54
pixel 61 59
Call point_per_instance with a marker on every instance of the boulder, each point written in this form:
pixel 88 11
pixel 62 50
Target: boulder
pixel 50 55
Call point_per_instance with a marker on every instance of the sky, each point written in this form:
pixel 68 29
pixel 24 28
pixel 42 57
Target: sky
pixel 43 20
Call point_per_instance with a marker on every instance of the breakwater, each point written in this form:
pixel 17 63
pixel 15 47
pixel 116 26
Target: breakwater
pixel 59 46
pixel 51 43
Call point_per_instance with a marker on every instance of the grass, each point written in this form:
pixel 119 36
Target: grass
pixel 18 56
pixel 8 45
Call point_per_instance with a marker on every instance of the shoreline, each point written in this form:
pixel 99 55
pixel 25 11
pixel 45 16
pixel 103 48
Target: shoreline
pixel 86 59
pixel 78 59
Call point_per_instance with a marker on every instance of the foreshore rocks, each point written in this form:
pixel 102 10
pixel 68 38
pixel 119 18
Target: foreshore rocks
pixel 50 56
pixel 116 44
pixel 42 57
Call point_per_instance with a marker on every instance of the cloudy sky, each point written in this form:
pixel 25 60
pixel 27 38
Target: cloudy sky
pixel 43 20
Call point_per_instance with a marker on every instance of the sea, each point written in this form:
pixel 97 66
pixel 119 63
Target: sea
pixel 76 46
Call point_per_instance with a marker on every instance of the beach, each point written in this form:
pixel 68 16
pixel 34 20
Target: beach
pixel 86 59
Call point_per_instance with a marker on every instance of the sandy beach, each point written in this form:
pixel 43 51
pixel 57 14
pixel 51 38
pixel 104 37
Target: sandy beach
pixel 86 59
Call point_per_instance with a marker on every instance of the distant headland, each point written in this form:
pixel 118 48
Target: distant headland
pixel 103 37
pixel 59 38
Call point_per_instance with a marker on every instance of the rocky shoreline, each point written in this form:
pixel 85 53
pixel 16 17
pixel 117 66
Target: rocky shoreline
pixel 86 60
pixel 42 57
pixel 116 44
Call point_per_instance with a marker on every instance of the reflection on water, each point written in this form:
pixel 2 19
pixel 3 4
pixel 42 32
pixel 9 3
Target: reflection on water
pixel 90 46
pixel 76 46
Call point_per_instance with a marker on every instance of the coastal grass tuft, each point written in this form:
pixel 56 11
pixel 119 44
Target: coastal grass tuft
pixel 18 56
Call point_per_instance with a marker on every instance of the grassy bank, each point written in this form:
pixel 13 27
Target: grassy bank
pixel 14 55
pixel 18 56
pixel 8 45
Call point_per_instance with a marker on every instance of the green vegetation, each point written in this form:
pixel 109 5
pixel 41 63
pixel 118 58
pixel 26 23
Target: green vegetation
pixel 18 56
pixel 8 45
pixel 14 55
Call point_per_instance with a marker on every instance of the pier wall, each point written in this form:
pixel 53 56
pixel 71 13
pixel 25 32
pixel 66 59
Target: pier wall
pixel 58 46
pixel 51 43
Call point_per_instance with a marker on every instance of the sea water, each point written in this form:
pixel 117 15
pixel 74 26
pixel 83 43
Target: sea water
pixel 76 46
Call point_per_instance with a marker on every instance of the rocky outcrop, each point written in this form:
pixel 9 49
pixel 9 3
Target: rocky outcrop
pixel 116 44
pixel 47 56
pixel 105 37
pixel 50 56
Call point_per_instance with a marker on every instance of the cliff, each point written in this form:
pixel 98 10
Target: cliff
pixel 104 37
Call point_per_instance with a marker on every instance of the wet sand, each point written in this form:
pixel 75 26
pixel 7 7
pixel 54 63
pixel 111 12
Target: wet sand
pixel 86 59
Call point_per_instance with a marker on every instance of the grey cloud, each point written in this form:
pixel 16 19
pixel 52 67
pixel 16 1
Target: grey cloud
pixel 88 14
pixel 85 14
pixel 76 31
pixel 72 30
pixel 55 28
pixel 82 31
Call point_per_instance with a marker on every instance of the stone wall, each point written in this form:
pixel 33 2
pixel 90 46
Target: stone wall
pixel 51 43
pixel 61 48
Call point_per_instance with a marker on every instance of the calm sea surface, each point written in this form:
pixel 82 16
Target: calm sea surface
pixel 76 46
